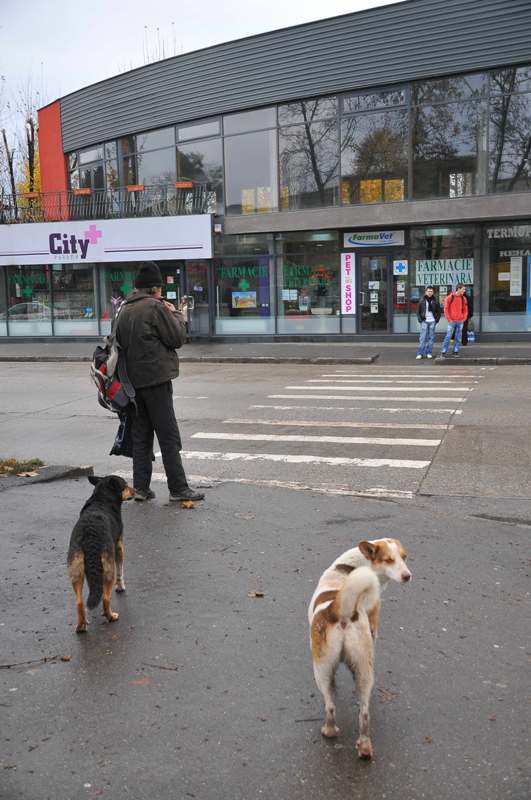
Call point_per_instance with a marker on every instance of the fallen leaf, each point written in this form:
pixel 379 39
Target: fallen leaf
pixel 255 594
pixel 428 739
pixel 387 697
pixel 66 658
pixel 140 682
pixel 26 474
pixel 187 504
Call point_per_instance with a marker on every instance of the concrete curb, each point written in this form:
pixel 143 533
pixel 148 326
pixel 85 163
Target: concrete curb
pixel 48 474
pixel 499 361
pixel 210 359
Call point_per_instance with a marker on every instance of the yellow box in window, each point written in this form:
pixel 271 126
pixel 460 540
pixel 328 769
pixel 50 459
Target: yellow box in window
pixel 263 199
pixel 393 190
pixel 371 191
pixel 248 201
pixel 284 198
pixel 345 191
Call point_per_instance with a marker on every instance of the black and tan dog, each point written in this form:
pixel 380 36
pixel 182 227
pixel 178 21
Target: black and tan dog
pixel 96 550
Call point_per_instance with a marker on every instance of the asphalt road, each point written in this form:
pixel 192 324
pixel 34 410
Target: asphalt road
pixel 201 690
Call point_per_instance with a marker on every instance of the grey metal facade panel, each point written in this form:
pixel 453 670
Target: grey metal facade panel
pixel 488 208
pixel 381 46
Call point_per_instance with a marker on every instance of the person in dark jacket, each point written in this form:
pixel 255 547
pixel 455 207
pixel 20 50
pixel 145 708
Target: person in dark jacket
pixel 428 314
pixel 149 330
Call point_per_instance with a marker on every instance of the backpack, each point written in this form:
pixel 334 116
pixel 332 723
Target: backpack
pixel 107 370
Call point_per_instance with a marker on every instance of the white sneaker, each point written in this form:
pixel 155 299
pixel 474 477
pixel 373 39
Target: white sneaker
pixel 418 357
pixel 429 356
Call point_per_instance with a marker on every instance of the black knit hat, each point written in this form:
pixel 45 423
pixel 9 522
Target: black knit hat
pixel 148 275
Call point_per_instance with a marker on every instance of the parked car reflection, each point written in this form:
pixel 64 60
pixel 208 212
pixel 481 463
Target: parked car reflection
pixel 31 310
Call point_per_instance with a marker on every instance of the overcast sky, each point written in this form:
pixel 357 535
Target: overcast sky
pixel 63 45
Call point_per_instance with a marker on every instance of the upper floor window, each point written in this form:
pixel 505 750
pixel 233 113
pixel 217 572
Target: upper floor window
pixel 370 101
pixel 446 90
pixel 307 111
pixel 250 121
pixel 198 130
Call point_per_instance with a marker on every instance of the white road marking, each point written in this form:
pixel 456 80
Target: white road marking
pixel 378 382
pixel 322 488
pixel 380 388
pixel 330 424
pixel 289 437
pixel 362 397
pixel 385 409
pixel 391 376
pixel 203 455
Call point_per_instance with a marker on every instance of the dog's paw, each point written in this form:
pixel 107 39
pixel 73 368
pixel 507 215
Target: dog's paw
pixel 113 616
pixel 364 748
pixel 330 731
pixel 82 628
pixel 120 587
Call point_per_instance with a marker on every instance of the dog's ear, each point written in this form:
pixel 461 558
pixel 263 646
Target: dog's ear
pixel 93 479
pixel 368 549
pixel 116 483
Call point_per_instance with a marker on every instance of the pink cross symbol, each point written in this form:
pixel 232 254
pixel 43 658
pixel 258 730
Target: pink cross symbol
pixel 93 234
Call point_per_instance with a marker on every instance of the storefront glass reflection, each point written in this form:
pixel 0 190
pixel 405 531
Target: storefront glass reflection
pixel 29 301
pixel 243 296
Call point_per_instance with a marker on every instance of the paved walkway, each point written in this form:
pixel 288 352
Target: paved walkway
pixel 284 352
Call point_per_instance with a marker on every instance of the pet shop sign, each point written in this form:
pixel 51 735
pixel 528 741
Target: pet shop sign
pixel 348 284
pixel 93 241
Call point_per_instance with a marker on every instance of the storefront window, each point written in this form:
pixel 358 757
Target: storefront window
pixel 116 282
pixel 156 168
pixel 203 162
pixel 309 165
pixel 308 283
pixel 250 121
pixel 506 302
pixel 74 300
pixel 197 290
pixel 510 143
pixel 244 244
pixel 306 112
pixel 441 257
pixel 449 150
pixel 29 310
pixel 243 295
pixel 374 161
pixel 251 173
pixel 3 303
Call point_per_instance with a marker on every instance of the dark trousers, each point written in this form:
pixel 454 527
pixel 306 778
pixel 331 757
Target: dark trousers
pixel 155 414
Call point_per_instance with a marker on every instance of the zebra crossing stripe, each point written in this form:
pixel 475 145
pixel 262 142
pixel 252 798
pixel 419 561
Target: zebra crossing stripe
pixel 362 397
pixel 380 388
pixel 203 455
pixel 385 409
pixel 335 424
pixel 285 437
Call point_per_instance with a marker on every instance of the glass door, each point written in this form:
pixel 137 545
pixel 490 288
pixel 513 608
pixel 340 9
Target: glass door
pixel 373 297
pixel 197 292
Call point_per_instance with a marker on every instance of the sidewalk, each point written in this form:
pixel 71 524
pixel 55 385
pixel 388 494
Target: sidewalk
pixel 374 352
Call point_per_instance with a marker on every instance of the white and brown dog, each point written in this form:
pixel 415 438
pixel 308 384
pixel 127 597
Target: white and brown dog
pixel 344 614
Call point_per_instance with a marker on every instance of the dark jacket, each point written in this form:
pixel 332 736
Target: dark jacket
pixel 149 334
pixel 435 307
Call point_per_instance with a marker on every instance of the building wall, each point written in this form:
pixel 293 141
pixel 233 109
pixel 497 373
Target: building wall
pixel 405 41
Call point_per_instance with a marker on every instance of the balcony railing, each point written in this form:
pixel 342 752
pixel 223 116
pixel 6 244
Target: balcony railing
pixel 176 199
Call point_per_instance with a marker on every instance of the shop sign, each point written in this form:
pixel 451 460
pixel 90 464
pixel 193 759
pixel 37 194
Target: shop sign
pixel 400 267
pixel 510 232
pixel 159 238
pixel 348 284
pixel 444 271
pixel 373 239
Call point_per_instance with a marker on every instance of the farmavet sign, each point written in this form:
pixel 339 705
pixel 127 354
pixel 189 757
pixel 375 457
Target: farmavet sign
pixel 159 239
pixel 373 239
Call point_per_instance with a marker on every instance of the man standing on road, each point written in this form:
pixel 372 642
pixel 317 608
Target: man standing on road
pixel 456 312
pixel 149 330
pixel 428 314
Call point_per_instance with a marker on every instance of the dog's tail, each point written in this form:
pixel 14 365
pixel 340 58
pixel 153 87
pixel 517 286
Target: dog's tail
pixel 92 550
pixel 360 591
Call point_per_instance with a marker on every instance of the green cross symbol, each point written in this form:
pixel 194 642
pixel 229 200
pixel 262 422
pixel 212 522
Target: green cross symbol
pixel 243 285
pixel 124 288
pixel 27 291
